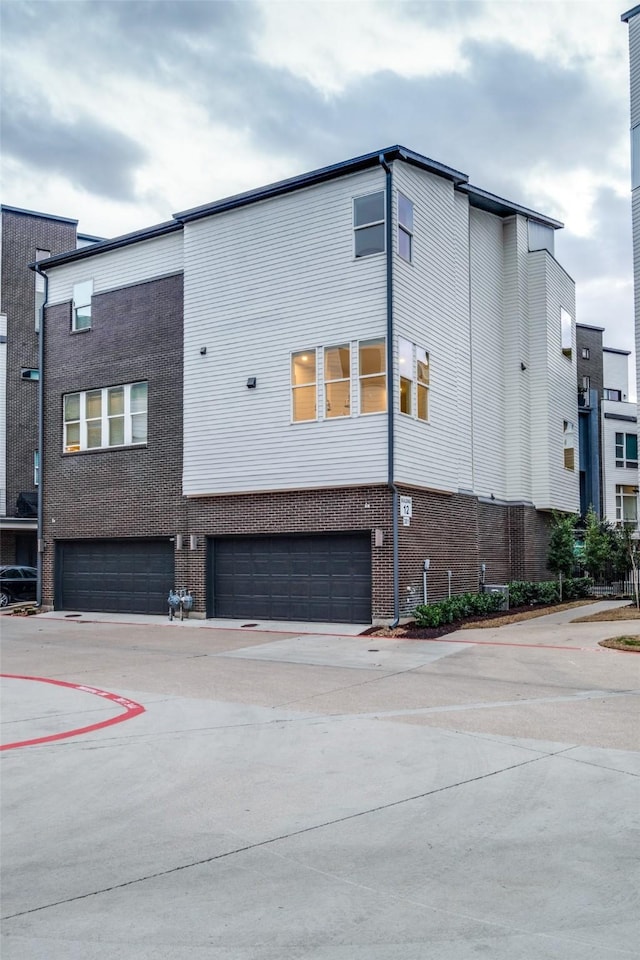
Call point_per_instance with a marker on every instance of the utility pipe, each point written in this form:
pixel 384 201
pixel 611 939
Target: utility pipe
pixel 40 540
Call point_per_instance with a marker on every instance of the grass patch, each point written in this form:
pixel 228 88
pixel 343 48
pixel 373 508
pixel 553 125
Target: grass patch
pixel 630 612
pixel 630 644
pixel 518 616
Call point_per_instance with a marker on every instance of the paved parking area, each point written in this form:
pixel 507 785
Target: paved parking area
pixel 259 795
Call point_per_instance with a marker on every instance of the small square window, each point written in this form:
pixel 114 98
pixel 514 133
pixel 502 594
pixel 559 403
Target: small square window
pixel 586 353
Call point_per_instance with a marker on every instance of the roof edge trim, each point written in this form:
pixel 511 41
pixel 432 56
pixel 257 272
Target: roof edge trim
pixel 104 246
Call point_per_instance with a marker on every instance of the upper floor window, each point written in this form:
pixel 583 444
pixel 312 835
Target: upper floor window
pixel 569 445
pixel 626 504
pixel 414 380
pixel 108 417
pixel 29 373
pixel 566 325
pixel 368 224
pixel 405 227
pixel 331 373
pixel 40 288
pixel 586 353
pixel 586 383
pixel 626 449
pixel 611 394
pixel 81 310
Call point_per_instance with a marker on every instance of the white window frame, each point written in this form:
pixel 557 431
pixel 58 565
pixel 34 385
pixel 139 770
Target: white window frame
pixel 82 294
pixel 624 493
pixel 370 223
pixel 405 228
pixel 566 333
pixel 621 457
pixel 416 383
pixel 372 376
pixel 128 415
pixel 312 351
pixel 569 434
pixel 586 353
pixel 330 381
pixel 354 380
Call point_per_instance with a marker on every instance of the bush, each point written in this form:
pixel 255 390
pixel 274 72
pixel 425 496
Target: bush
pixel 575 588
pixel 457 608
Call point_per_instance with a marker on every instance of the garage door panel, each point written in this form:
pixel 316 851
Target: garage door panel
pixel 114 576
pixel 315 577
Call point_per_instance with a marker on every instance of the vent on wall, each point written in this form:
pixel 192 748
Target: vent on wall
pixel 28 373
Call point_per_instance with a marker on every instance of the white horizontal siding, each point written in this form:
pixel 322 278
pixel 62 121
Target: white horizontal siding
pixel 634 72
pixel 487 354
pixel 118 268
pixel 428 312
pixel 612 475
pixel 262 281
pixel 516 356
pixel 553 385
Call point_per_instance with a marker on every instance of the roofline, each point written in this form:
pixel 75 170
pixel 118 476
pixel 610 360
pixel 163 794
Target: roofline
pixel 630 14
pixel 103 246
pixel 626 353
pixel 89 236
pixel 36 213
pixel 321 175
pixel 587 326
pixel 505 208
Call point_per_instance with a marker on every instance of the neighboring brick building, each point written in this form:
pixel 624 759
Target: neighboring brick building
pixel 221 420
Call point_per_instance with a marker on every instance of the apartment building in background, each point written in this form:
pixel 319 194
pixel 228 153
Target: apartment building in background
pixel 289 399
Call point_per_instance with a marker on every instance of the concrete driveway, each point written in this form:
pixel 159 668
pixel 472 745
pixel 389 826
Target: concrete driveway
pixel 236 795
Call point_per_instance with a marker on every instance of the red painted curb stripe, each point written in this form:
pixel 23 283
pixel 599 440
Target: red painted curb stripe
pixel 131 709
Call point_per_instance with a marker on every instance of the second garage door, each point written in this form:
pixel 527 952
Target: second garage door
pixel 325 577
pixel 114 576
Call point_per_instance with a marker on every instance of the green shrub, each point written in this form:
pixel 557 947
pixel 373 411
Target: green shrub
pixel 575 588
pixel 457 608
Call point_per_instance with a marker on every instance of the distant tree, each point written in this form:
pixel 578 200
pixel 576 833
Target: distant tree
pixel 629 549
pixel 598 545
pixel 561 557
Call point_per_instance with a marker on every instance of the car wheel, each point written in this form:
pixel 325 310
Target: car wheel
pixel 5 599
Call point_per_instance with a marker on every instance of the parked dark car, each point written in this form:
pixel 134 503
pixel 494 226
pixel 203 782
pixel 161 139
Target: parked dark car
pixel 17 583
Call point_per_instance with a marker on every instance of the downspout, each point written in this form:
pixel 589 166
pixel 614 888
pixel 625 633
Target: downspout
pixel 40 545
pixel 391 390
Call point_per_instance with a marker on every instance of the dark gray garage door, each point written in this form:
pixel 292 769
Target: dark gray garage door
pixel 321 578
pixel 114 576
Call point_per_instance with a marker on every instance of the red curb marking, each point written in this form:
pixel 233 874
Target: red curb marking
pixel 131 709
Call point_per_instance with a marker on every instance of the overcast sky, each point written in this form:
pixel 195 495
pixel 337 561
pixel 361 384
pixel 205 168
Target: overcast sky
pixel 121 113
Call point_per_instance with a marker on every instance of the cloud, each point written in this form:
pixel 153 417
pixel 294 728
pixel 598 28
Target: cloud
pixel 92 154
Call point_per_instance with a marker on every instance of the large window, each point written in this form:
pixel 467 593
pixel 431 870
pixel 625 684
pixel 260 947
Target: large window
pixel 109 417
pixel 332 374
pixel 81 309
pixel 626 504
pixel 566 329
pixel 569 445
pixel 405 227
pixel 626 449
pixel 368 224
pixel 414 380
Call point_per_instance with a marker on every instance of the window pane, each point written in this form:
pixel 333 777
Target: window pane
pixel 373 395
pixel 115 401
pixel 632 446
pixel 82 318
pixel 338 399
pixel 72 436
pixel 116 431
pixel 405 212
pixel 405 395
pixel 423 402
pixel 368 209
pixel 404 244
pixel 138 398
pixel 139 428
pixel 94 404
pixel 303 367
pixel 94 433
pixel 566 330
pixel 370 240
pixel 72 406
pixel 82 293
pixel 372 357
pixel 337 362
pixel 422 358
pixel 405 358
pixel 304 403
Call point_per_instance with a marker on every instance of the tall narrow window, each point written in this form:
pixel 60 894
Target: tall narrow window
pixel 81 312
pixel 373 376
pixel 337 380
pixel 626 504
pixel 405 360
pixel 566 328
pixel 422 378
pixel 586 354
pixel 303 385
pixel 72 422
pixel 368 224
pixel 569 446
pixel 94 418
pixel 40 288
pixel 405 227
pixel 36 468
pixel 115 415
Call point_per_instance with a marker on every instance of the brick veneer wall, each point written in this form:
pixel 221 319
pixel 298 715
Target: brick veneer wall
pixel 136 334
pixel 22 235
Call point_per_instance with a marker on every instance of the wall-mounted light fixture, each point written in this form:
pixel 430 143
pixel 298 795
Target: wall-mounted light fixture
pixel 203 350
pixel 252 382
